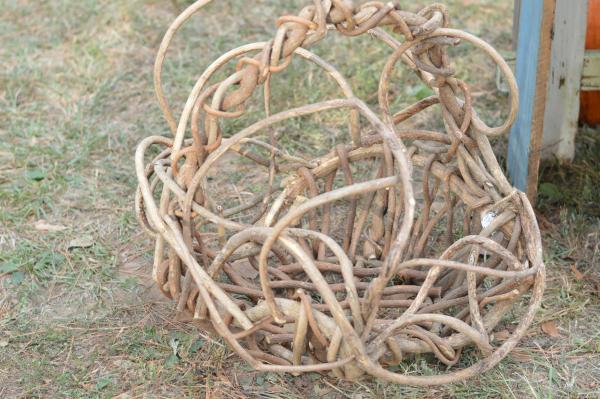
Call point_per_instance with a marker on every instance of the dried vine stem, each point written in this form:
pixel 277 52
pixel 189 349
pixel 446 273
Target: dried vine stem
pixel 329 271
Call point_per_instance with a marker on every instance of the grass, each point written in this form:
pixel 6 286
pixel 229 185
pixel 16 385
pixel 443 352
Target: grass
pixel 78 314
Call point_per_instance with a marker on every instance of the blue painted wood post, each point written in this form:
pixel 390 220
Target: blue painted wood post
pixel 533 58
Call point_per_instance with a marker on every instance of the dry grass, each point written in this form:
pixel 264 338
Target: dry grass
pixel 78 314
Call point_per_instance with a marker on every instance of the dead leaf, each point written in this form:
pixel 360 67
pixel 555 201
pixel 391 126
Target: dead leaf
pixel 578 275
pixel 501 335
pixel 184 316
pixel 84 241
pixel 42 225
pixel 321 390
pixel 551 328
pixel 520 355
pixel 3 343
pixel 598 289
pixel 245 269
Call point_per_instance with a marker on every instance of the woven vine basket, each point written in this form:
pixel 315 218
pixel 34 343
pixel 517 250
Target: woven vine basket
pixel 397 243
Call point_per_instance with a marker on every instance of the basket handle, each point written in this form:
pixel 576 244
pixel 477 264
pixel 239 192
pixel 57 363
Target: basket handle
pixel 161 55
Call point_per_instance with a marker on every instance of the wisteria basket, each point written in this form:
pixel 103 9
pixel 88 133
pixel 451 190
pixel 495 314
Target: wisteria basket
pixel 399 242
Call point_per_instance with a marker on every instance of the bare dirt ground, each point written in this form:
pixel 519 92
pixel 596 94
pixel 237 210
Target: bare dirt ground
pixel 79 316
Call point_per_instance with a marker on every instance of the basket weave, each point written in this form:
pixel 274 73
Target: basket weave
pixel 325 269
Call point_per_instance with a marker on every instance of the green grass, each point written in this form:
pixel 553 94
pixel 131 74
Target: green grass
pixel 76 97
